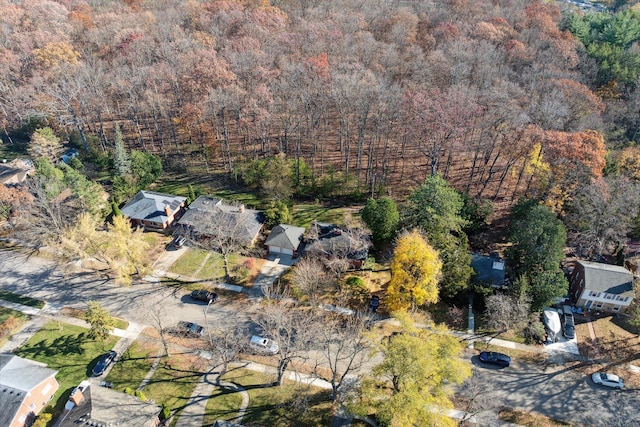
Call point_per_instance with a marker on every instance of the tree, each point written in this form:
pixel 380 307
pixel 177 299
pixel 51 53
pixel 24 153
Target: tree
pixel 382 218
pixel 121 248
pixel 538 237
pixel 310 278
pixel 545 287
pixel 225 344
pixel 145 168
pixel 45 143
pixel 409 387
pixel 272 176
pixel 293 328
pixel 344 348
pixel 121 160
pixel 277 213
pixel 504 313
pixel 415 271
pixel 338 251
pixel 102 324
pixel 436 208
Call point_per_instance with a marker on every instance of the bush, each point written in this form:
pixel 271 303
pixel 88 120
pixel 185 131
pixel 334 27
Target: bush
pixel 128 390
pixel 534 331
pixel 355 282
pixel 165 414
pixel 42 420
pixel 140 395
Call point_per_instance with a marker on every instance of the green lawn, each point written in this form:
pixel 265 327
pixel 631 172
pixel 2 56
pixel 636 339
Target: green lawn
pixel 134 365
pixel 21 299
pixel 189 262
pixel 304 214
pixel 174 380
pixel 269 405
pixel 5 313
pixel 213 268
pixel 68 349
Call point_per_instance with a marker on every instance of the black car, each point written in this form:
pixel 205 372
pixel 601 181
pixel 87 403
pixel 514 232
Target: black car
pixel 204 295
pixel 103 363
pixel 190 329
pixel 495 358
pixel 569 329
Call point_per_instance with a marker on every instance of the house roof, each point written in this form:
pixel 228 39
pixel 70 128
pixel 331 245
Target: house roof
pixel 333 240
pixel 489 269
pixel 18 377
pixel 237 220
pixel 285 236
pixel 150 206
pixel 104 407
pixel 611 279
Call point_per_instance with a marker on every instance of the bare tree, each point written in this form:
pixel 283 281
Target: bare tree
pixel 310 278
pixel 225 343
pixel 342 248
pixel 503 313
pixel 292 327
pixel 344 348
pixel 156 314
pixel 476 394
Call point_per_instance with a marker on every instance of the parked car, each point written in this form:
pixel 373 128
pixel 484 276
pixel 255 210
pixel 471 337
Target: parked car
pixel 551 320
pixel 103 363
pixel 374 303
pixel 569 330
pixel 204 295
pixel 190 329
pixel 608 380
pixel 263 345
pixel 495 358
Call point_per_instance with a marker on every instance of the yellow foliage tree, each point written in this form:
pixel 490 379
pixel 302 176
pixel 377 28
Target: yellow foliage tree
pixel 121 248
pixel 55 53
pixel 415 271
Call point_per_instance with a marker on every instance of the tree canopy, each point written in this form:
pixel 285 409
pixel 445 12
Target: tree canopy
pixel 382 218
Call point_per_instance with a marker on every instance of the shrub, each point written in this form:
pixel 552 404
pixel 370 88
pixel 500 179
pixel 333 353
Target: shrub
pixel 140 395
pixel 355 282
pixel 534 331
pixel 165 414
pixel 128 390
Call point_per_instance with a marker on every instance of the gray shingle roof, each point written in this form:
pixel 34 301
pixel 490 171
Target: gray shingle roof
pixel 611 279
pixel 285 236
pixel 18 376
pixel 488 269
pixel 150 206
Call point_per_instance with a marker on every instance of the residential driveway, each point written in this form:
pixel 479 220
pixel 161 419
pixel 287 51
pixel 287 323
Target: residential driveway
pixel 275 266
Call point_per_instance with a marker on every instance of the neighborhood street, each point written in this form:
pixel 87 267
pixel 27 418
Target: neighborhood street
pixel 559 391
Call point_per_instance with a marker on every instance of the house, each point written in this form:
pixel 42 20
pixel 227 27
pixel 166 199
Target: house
pixel 154 210
pixel 25 388
pixel 332 242
pixel 92 405
pixel 285 239
pixel 489 269
pixel 211 217
pixel 600 286
pixel 16 171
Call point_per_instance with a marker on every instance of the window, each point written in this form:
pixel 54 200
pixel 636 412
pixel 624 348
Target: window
pixel 608 296
pixel 599 304
pixel 588 304
pixel 593 294
pixel 616 308
pixel 32 406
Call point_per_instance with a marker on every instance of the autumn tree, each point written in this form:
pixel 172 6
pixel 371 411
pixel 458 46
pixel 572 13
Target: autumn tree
pixel 121 248
pixel 436 208
pixel 45 143
pixel 310 279
pixel 102 324
pixel 409 387
pixel 382 218
pixel 415 271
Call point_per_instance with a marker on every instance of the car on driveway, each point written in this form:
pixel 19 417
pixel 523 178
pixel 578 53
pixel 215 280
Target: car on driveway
pixel 495 358
pixel 551 320
pixel 204 295
pixel 569 330
pixel 103 363
pixel 608 380
pixel 190 329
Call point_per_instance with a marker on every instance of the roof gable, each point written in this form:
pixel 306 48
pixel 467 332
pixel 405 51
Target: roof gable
pixel 611 279
pixel 150 206
pixel 285 236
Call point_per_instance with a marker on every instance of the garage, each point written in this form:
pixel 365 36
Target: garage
pixel 284 239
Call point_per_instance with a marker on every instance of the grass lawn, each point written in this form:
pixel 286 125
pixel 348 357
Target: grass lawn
pixel 304 214
pixel 5 313
pixel 189 262
pixel 134 365
pixel 67 349
pixel 21 299
pixel 10 320
pixel 279 406
pixel 80 314
pixel 174 380
pixel 213 268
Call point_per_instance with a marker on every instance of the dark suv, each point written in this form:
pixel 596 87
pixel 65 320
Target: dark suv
pixel 204 295
pixel 569 330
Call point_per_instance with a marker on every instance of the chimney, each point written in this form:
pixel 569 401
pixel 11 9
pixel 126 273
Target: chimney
pixel 167 210
pixel 76 396
pixel 241 208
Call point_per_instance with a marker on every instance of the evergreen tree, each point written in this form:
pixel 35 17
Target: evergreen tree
pixel 121 159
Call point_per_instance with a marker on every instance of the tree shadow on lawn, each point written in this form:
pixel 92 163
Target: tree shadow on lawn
pixel 64 345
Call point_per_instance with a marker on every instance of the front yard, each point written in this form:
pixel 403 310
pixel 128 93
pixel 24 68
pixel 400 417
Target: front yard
pixel 206 265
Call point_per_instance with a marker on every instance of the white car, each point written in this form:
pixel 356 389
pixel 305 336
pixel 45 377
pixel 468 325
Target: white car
pixel 608 380
pixel 263 345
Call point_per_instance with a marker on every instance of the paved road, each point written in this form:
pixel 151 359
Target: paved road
pixel 562 392
pixel 139 303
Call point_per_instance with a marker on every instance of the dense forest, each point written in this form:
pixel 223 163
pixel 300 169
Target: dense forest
pixel 501 98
